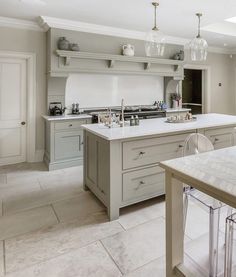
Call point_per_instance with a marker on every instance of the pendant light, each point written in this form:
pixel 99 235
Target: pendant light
pixel 155 40
pixel 198 46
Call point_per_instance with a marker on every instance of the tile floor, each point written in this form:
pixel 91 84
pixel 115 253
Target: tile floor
pixel 50 227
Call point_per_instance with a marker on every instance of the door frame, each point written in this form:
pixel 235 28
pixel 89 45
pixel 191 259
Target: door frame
pixel 206 84
pixel 30 59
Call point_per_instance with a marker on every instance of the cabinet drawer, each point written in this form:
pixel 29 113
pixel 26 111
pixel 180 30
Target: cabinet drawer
pixel 68 145
pixel 150 151
pixel 221 137
pixel 72 124
pixel 143 183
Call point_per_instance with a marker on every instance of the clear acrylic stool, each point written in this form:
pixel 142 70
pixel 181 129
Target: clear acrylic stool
pixel 229 245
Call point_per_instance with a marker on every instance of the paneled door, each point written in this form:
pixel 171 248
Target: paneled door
pixel 12 110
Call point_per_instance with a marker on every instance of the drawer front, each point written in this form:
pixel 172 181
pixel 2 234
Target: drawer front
pixel 67 125
pixel 150 151
pixel 68 145
pixel 143 183
pixel 222 137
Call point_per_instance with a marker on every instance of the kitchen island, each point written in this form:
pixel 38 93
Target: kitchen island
pixel 212 173
pixel 121 165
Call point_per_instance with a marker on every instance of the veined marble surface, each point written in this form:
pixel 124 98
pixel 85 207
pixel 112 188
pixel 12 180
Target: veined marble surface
pixel 214 171
pixel 158 126
pixel 66 117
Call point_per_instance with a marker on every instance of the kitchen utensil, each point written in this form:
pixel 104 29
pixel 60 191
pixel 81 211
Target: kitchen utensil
pixel 55 108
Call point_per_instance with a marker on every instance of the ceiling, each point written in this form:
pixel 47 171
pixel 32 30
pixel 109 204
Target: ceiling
pixel 175 18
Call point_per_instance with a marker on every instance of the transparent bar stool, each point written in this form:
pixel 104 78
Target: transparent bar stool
pixel 229 245
pixel 195 144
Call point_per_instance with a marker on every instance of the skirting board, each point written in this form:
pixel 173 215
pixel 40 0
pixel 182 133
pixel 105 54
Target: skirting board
pixel 62 164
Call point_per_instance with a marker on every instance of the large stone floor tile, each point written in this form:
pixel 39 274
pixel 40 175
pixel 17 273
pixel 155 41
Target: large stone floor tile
pixel 9 190
pixel 3 178
pixel 23 222
pixel 22 179
pixel 46 243
pixel 89 261
pixel 137 246
pixel 152 269
pixel 61 179
pixel 38 198
pixel 78 208
pixel 142 212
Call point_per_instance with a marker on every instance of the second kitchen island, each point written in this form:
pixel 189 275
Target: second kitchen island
pixel 121 165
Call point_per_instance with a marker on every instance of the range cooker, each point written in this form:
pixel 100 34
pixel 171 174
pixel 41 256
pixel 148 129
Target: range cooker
pixel 143 112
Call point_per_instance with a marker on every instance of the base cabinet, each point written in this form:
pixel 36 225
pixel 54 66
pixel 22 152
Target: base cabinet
pixel 124 172
pixel 64 143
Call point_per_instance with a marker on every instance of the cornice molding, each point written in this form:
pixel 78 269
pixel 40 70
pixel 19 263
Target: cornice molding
pixel 19 23
pixel 46 23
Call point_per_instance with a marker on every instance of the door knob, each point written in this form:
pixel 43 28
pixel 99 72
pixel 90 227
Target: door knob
pixel 23 123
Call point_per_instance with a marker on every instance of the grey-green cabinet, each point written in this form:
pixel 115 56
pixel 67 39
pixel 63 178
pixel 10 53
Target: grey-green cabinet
pixel 64 143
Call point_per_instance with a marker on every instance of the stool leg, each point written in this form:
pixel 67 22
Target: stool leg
pixel 185 204
pixel 213 241
pixel 229 233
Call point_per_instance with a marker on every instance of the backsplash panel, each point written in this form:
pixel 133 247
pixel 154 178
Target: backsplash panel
pixel 101 90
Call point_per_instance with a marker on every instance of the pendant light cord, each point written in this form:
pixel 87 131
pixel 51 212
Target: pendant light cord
pixel 199 24
pixel 155 4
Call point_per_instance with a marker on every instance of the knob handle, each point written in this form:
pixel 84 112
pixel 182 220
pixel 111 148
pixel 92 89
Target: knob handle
pixel 23 123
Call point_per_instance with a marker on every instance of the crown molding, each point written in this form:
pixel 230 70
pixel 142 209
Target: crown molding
pixel 46 23
pixel 19 23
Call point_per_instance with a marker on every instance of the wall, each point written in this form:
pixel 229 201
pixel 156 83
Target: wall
pixel 222 70
pixel 20 40
pixel 100 90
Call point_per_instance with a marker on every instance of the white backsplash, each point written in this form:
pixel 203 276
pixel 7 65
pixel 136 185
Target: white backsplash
pixel 102 90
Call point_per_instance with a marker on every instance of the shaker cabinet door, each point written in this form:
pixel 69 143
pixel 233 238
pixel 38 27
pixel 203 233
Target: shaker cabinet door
pixel 68 145
pixel 221 137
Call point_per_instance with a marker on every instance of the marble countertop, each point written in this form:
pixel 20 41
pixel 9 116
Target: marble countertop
pixel 158 126
pixel 66 117
pixel 212 172
pixel 174 110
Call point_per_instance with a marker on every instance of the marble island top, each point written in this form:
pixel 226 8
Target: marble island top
pixel 214 171
pixel 159 126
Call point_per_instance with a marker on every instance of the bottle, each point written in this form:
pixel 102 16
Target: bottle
pixel 73 108
pixel 136 120
pixel 132 121
pixel 77 108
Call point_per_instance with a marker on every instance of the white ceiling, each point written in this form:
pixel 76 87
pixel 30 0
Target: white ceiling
pixel 175 18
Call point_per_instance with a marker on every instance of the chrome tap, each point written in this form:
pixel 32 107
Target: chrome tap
pixel 122 121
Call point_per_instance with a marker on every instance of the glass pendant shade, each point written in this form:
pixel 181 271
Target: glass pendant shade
pixel 155 44
pixel 198 49
pixel 155 40
pixel 198 46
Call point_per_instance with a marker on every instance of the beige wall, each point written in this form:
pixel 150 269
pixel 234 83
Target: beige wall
pixel 222 71
pixel 35 42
